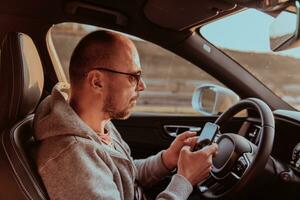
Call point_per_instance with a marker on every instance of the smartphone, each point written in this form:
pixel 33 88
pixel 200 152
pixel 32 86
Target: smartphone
pixel 207 135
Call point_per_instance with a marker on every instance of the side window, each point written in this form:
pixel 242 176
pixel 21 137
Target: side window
pixel 170 79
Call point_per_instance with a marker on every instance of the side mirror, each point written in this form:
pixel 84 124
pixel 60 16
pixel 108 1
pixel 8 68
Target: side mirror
pixel 284 31
pixel 212 99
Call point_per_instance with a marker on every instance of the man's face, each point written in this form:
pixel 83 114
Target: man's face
pixel 123 90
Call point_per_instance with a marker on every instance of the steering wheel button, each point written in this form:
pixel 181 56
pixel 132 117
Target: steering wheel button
pixel 243 162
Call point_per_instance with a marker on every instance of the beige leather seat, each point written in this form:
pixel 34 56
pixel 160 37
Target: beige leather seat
pixel 21 86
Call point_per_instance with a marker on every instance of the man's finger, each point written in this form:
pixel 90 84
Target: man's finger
pixel 211 149
pixel 183 136
pixel 186 148
pixel 191 141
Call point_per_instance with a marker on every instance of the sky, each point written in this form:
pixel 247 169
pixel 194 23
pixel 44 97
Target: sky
pixel 248 31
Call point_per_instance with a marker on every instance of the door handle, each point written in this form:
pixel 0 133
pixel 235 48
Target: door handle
pixel 175 130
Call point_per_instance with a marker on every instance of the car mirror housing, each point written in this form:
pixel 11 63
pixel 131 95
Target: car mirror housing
pixel 284 31
pixel 210 99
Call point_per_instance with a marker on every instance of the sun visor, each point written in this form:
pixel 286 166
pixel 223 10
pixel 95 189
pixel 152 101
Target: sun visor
pixel 96 12
pixel 181 14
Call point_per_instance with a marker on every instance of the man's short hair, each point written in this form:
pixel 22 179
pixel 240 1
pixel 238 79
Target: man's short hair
pixel 97 48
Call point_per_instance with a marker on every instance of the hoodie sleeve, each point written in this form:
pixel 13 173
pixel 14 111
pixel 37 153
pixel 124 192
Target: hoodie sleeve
pixel 152 169
pixel 86 176
pixel 178 189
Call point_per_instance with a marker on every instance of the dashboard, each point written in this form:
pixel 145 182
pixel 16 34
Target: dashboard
pixel 287 139
pixel 282 171
pixel 295 161
pixel 286 148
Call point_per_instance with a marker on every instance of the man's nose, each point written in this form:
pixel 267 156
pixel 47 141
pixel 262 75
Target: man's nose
pixel 142 85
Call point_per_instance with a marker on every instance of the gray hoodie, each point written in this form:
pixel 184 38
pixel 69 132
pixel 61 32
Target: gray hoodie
pixel 75 164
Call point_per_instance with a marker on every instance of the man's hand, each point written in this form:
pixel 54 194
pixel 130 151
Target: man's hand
pixel 170 156
pixel 195 166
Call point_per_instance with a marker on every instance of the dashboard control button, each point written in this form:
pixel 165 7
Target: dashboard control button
pixel 240 166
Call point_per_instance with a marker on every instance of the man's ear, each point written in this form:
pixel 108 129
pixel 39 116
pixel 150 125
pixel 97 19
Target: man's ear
pixel 95 80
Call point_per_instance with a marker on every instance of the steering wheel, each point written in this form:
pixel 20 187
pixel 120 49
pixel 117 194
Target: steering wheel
pixel 238 160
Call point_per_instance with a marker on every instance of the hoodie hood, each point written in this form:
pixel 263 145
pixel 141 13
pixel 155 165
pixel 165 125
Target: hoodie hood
pixel 55 117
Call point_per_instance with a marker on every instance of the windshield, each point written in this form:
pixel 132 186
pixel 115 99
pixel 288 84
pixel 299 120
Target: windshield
pixel 244 36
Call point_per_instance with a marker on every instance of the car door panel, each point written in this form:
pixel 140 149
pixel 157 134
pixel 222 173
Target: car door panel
pixel 146 133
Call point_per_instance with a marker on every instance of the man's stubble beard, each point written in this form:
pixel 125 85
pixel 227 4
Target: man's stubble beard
pixel 110 108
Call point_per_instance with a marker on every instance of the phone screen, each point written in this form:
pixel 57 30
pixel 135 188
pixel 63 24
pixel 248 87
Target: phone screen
pixel 207 135
pixel 208 132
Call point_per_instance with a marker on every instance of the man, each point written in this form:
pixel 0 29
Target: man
pixel 81 155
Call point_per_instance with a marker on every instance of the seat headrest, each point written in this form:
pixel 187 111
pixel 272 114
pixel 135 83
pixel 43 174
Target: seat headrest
pixel 21 77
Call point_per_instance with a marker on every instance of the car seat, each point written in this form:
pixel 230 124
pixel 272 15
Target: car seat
pixel 21 86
